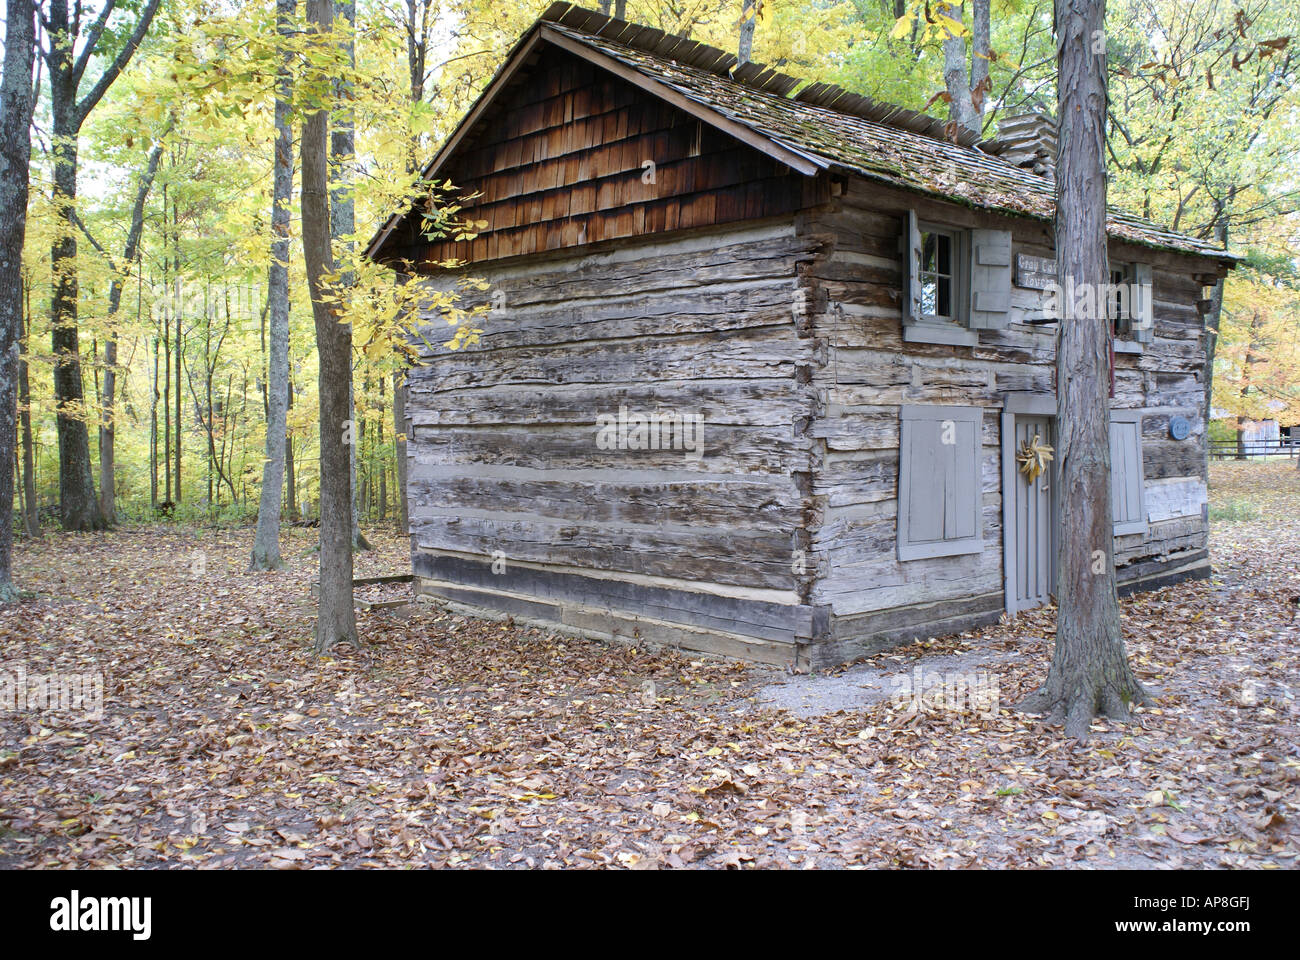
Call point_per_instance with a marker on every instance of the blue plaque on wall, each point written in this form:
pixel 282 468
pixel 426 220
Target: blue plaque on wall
pixel 1179 428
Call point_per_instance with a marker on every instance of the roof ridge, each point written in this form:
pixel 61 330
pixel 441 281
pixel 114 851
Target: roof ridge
pixel 757 76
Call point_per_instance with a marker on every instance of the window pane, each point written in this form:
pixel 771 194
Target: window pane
pixel 936 275
pixel 945 298
pixel 943 249
pixel 1119 307
pixel 936 253
pixel 927 252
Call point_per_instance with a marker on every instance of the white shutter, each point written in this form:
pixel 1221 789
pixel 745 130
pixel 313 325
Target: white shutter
pixel 1127 485
pixel 990 279
pixel 910 247
pixel 940 493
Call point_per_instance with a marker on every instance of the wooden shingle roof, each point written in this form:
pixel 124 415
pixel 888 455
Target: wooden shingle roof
pixel 819 127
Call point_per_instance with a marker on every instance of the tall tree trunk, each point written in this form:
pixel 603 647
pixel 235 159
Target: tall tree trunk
pixel 153 432
pixel 399 443
pixel 1254 355
pixel 266 543
pixel 360 459
pixel 336 618
pixel 1090 673
pixel 78 506
pixel 343 221
pixel 416 55
pixel 15 154
pixel 130 252
pixel 178 338
pixel 165 323
pixel 290 480
pixel 383 467
pixel 979 63
pixel 107 434
pixel 956 76
pixel 745 48
pixel 32 511
pixel 1213 317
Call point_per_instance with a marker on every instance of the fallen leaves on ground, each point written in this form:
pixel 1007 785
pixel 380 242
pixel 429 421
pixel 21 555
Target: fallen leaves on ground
pixel 451 741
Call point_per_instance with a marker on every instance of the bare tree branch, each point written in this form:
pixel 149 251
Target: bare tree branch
pixel 117 66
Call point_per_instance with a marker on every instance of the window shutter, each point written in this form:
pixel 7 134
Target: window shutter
pixel 940 498
pixel 990 279
pixel 910 243
pixel 1143 308
pixel 1127 486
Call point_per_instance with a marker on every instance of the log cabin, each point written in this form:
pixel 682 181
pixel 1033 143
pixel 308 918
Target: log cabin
pixel 763 360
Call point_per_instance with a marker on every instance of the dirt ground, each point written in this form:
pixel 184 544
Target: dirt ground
pixel 223 741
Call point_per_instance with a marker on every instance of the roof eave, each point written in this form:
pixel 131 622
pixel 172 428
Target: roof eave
pixel 1209 253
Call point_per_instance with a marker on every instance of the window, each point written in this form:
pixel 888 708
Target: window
pixel 1130 306
pixel 1127 485
pixel 955 282
pixel 938 275
pixel 1121 307
pixel 940 499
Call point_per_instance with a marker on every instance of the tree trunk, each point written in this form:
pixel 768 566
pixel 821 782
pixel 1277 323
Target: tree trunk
pixel 343 223
pixel 165 324
pixel 108 428
pixel 336 618
pixel 32 512
pixel 383 467
pixel 956 76
pixel 153 432
pixel 745 49
pixel 979 63
pixel 179 338
pixel 15 154
pixel 399 444
pixel 78 506
pixel 266 542
pixel 416 53
pixel 290 480
pixel 1212 323
pixel 1254 355
pixel 1090 673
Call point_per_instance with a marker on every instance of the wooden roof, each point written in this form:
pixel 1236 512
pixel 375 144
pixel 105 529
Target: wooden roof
pixel 809 129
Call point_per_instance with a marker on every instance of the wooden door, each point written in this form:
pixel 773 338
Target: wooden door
pixel 1034 519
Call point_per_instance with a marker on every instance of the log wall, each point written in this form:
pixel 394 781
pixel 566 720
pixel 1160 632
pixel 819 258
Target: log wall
pixel 870 372
pixel 661 545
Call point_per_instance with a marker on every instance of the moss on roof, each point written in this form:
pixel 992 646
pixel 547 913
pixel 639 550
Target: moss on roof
pixel 891 152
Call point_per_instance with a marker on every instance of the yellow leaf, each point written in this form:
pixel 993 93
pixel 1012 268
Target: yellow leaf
pixel 902 26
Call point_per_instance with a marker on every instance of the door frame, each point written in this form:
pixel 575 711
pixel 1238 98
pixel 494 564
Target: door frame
pixel 1013 405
